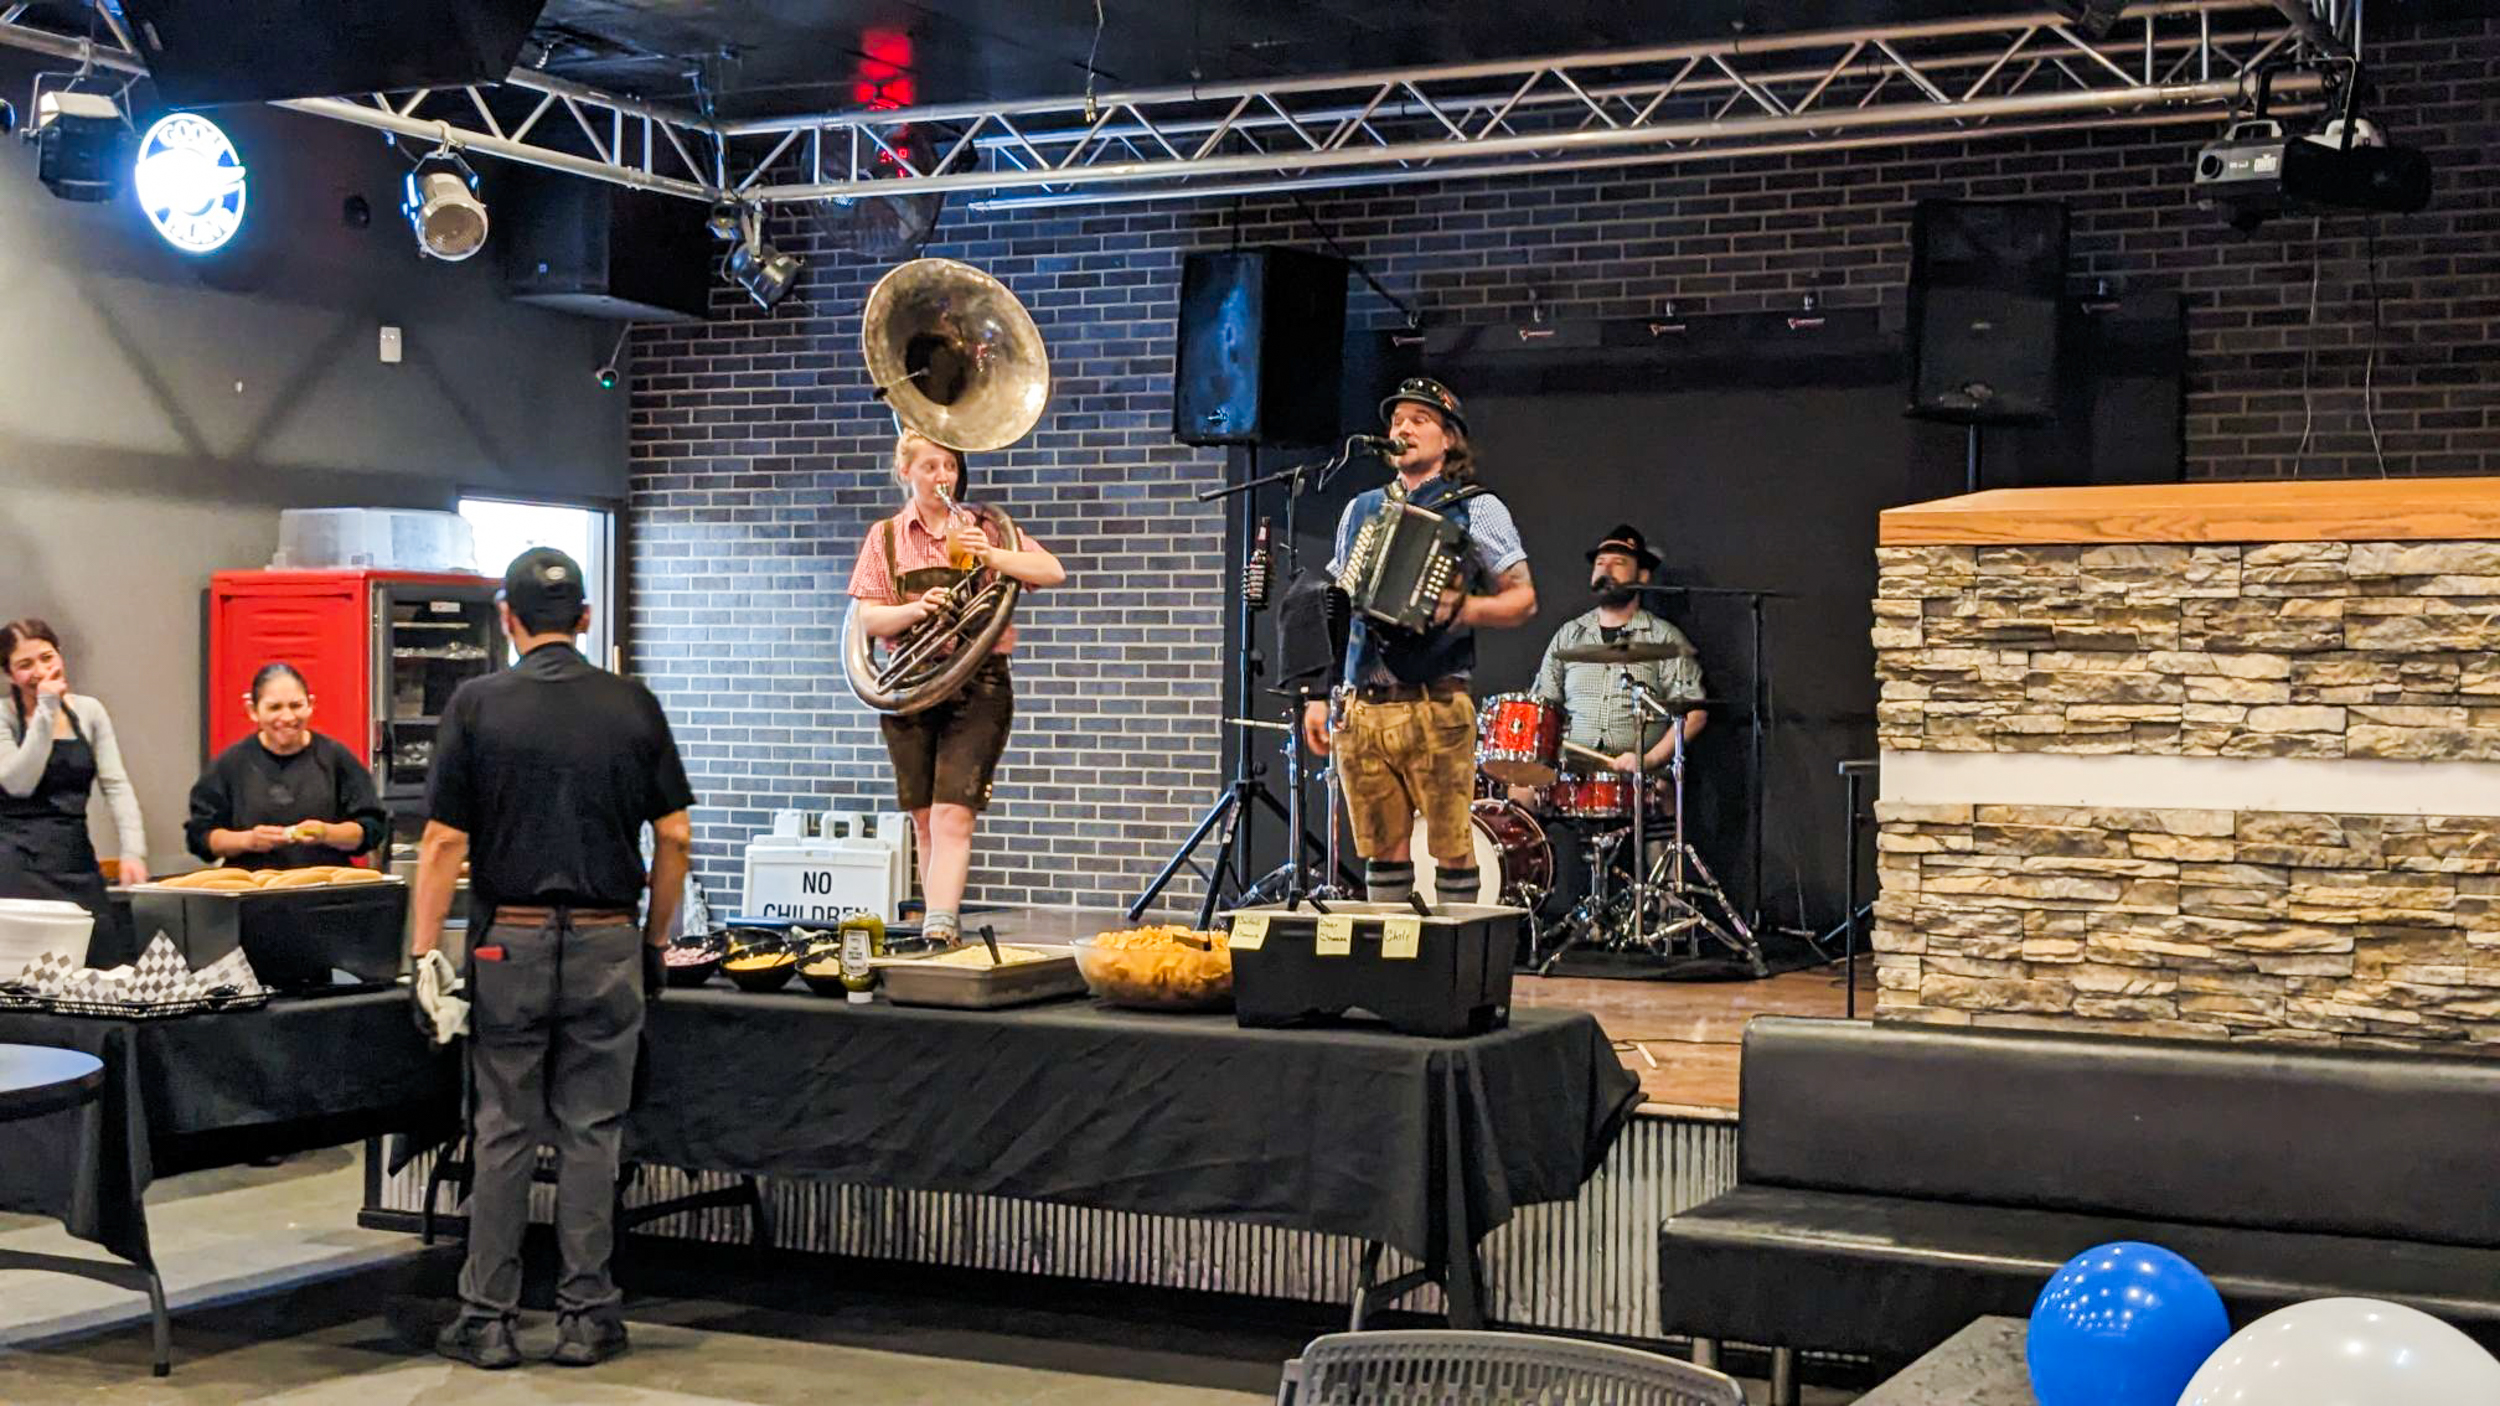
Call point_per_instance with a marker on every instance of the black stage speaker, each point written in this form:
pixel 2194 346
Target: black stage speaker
pixel 1986 283
pixel 206 52
pixel 1260 348
pixel 600 250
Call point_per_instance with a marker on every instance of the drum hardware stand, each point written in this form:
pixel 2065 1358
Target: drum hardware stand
pixel 1230 811
pixel 1583 921
pixel 1679 891
pixel 1757 719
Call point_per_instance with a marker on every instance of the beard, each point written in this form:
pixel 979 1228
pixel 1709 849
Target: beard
pixel 1612 592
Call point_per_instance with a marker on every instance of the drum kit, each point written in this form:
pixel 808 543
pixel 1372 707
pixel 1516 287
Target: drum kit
pixel 1646 894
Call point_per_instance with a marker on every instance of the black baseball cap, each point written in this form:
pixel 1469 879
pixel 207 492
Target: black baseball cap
pixel 542 580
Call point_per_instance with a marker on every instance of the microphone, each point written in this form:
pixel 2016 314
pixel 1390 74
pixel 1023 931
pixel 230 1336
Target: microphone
pixel 1386 446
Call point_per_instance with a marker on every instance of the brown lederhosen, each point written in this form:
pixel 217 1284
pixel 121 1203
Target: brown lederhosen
pixel 949 754
pixel 1407 749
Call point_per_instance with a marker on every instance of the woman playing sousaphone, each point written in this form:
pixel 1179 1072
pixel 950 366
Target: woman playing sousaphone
pixel 946 755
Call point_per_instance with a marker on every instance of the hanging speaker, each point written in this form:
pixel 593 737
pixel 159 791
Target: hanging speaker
pixel 1260 347
pixel 598 250
pixel 1987 280
pixel 206 52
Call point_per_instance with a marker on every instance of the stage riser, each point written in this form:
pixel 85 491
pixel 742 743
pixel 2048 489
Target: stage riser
pixel 1589 1266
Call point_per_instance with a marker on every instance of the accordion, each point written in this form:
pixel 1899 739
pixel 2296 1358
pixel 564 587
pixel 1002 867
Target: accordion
pixel 1401 562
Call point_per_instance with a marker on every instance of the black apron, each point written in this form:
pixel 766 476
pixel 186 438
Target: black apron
pixel 283 802
pixel 44 849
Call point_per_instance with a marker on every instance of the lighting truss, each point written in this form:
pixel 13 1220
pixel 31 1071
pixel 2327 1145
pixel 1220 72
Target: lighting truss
pixel 2021 72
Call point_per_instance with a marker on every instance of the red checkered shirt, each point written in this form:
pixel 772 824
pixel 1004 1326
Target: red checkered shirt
pixel 914 550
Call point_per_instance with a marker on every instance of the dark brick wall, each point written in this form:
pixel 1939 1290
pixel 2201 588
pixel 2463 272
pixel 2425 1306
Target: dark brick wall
pixel 759 459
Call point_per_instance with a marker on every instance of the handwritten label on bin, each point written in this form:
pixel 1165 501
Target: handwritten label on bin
pixel 1335 937
pixel 1400 937
pixel 1249 932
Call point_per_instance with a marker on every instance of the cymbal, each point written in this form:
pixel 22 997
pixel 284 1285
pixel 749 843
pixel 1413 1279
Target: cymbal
pixel 1626 652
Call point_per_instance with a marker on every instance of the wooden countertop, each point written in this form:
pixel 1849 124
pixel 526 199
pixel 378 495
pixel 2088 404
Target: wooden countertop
pixel 2317 510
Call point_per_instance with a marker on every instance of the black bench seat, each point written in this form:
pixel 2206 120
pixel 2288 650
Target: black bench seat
pixel 1895 1183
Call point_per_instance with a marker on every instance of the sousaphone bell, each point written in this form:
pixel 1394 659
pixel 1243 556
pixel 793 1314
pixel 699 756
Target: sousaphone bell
pixel 960 363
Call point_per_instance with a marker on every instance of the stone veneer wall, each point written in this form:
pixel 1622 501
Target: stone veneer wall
pixel 2311 926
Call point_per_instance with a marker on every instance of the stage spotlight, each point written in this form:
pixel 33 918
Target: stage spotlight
pixel 2093 19
pixel 82 144
pixel 766 273
pixel 723 222
pixel 443 208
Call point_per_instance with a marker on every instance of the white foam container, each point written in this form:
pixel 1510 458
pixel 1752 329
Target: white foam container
pixel 31 927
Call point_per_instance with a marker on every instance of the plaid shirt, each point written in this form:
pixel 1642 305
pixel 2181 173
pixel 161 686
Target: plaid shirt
pixel 1598 711
pixel 914 550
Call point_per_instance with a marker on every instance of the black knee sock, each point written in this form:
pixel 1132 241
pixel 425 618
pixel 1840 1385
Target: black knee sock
pixel 1388 881
pixel 1455 885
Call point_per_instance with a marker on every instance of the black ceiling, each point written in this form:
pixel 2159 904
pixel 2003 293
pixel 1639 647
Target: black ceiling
pixel 781 57
pixel 787 56
pixel 791 56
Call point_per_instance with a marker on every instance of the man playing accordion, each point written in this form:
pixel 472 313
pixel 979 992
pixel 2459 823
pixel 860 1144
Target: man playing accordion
pixel 1406 739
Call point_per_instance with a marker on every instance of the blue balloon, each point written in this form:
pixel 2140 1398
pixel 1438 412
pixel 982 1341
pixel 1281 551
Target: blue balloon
pixel 2124 1324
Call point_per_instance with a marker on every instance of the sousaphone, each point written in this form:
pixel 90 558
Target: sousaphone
pixel 959 361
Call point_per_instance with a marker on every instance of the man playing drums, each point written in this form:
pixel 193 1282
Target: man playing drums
pixel 1598 710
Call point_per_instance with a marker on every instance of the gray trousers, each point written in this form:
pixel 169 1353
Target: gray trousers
pixel 554 1030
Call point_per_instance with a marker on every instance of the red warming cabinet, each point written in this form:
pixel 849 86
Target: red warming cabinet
pixel 381 650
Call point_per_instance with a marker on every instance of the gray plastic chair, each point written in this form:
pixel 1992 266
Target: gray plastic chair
pixel 1443 1367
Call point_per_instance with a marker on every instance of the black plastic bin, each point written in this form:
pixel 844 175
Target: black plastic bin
pixel 1456 982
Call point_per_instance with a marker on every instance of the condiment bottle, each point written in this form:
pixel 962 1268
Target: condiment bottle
pixel 863 941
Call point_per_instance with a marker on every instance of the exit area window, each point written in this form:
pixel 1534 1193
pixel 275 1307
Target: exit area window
pixel 507 527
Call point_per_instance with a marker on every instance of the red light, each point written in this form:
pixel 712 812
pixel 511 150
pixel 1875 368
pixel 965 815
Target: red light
pixel 885 79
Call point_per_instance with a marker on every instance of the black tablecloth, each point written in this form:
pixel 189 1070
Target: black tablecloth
pixel 1421 1144
pixel 215 1090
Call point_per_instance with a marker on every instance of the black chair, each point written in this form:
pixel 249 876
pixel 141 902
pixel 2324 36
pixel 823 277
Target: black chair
pixel 1435 1366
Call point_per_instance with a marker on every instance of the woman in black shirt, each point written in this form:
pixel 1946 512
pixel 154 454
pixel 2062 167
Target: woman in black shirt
pixel 286 797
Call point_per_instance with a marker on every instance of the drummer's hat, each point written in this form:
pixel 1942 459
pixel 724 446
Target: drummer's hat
pixel 1627 539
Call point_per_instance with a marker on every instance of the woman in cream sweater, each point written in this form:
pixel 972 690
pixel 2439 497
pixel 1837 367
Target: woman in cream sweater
pixel 56 748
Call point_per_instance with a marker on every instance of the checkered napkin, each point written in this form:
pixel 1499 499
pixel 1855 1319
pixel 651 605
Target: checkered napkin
pixel 159 978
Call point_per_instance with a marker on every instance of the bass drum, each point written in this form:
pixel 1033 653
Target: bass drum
pixel 1514 861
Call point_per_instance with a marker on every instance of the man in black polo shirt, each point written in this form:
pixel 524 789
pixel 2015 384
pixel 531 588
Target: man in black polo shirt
pixel 544 776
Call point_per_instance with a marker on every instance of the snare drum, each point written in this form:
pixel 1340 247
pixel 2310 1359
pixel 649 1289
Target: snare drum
pixel 1519 739
pixel 1591 795
pixel 1514 862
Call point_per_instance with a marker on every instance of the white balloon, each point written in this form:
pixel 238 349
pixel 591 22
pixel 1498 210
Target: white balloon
pixel 2346 1352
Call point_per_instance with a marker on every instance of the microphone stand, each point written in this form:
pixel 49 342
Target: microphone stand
pixel 1230 812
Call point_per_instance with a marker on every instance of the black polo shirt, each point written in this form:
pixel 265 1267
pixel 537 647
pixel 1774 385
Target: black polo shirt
pixel 552 767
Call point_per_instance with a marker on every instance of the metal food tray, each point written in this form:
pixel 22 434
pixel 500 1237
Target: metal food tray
pixel 918 982
pixel 11 1000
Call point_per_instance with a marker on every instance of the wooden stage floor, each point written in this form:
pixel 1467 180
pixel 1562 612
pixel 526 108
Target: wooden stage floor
pixel 1682 1039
